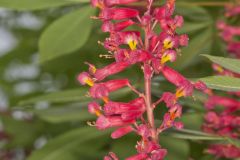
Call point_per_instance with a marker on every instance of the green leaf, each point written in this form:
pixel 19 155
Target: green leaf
pixel 71 95
pixel 192 120
pixel 22 133
pixel 177 149
pixel 197 45
pixel 64 114
pixel 60 97
pixel 66 34
pixel 36 4
pixel 223 83
pixel 71 145
pixel 228 63
pixel 196 137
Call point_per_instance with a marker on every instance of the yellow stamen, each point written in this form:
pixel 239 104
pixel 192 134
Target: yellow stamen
pixel 105 99
pixel 179 93
pixel 90 82
pixel 94 69
pixel 165 58
pixel 167 43
pixel 98 113
pixel 219 69
pixel 132 44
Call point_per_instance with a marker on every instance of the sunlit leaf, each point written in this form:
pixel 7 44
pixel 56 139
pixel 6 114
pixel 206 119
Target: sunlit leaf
pixel 60 97
pixel 71 95
pixel 64 114
pixel 223 83
pixel 228 63
pixel 197 45
pixel 66 34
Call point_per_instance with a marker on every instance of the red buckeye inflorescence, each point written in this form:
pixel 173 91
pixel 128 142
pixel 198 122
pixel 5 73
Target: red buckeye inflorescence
pixel 227 121
pixel 150 50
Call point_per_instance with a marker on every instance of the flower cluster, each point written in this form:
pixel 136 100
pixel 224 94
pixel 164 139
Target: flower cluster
pixel 225 122
pixel 150 50
pixel 229 32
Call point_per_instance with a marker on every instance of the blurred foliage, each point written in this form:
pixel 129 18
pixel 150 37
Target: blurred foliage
pixel 46 111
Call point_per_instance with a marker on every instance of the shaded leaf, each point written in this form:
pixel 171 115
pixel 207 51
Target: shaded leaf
pixel 64 114
pixel 197 45
pixel 177 148
pixel 192 120
pixel 66 34
pixel 60 97
pixel 228 63
pixel 22 133
pixel 67 145
pixel 223 83
pixel 71 95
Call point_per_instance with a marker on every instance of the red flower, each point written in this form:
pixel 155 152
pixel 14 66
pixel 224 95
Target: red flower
pixel 118 2
pixel 104 122
pixel 118 13
pixel 121 132
pixel 110 70
pixel 222 101
pixel 110 27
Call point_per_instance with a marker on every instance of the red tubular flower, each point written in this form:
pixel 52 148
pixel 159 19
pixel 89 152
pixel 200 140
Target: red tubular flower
pixel 112 108
pixel 110 70
pixel 121 132
pixel 133 115
pixel 144 131
pixel 101 90
pixel 234 48
pixel 185 87
pixel 232 11
pixel 140 156
pixel 114 85
pixel 94 108
pixel 212 118
pixel 169 98
pixel 84 78
pixel 138 56
pixel 158 154
pixel 111 156
pixel 132 56
pixel 169 55
pixel 117 2
pixel 118 13
pixel 183 40
pixel 130 38
pixel 222 150
pixel 104 122
pixel 173 76
pixel 222 101
pixel 110 27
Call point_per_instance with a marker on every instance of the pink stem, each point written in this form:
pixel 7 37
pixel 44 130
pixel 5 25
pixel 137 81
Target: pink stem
pixel 149 108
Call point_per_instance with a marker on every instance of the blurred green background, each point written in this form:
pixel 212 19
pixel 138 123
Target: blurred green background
pixel 43 47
